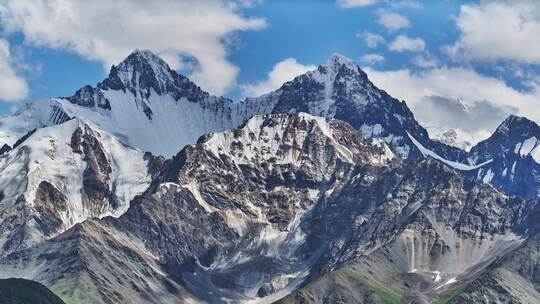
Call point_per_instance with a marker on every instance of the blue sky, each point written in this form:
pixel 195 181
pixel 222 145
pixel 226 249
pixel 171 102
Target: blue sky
pixel 419 51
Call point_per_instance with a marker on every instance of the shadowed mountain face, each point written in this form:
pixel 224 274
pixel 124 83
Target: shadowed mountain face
pixel 255 213
pixel 20 291
pixel 514 149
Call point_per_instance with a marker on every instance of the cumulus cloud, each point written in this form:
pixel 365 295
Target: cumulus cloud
pixel 393 21
pixel 12 87
pixel 495 30
pixel 282 72
pixel 406 43
pixel 485 95
pixel 107 31
pixel 372 40
pixel 355 3
pixel 372 58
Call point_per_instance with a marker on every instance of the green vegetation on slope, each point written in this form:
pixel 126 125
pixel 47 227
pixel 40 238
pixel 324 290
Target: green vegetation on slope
pixel 21 291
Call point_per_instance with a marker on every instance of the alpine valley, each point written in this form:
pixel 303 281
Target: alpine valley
pixel 147 189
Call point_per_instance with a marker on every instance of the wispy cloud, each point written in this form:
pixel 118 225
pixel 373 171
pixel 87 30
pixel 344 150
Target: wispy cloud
pixel 406 43
pixel 355 3
pixel 372 40
pixel 425 61
pixel 393 21
pixel 372 58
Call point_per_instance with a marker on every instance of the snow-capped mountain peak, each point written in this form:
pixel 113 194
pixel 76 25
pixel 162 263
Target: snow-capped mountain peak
pixel 143 73
pixel 513 130
pixel 462 104
pixel 143 69
pixel 518 125
pixel 151 107
pixel 337 61
pixel 515 150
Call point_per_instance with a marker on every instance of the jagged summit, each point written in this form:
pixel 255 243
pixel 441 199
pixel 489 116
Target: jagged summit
pixel 282 139
pixel 515 150
pixel 144 55
pixel 143 66
pixel 336 61
pixel 143 58
pixel 519 124
pixel 143 73
pixel 514 129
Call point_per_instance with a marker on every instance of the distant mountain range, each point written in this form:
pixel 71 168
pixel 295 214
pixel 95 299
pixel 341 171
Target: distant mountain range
pixel 146 189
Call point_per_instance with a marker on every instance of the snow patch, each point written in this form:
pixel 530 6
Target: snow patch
pixel 426 152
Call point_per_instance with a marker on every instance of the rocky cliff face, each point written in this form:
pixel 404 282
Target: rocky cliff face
pixel 425 240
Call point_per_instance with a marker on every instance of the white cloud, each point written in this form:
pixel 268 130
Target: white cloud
pixel 372 58
pixel 453 83
pixel 12 87
pixel 405 43
pixel 108 31
pixel 393 21
pixel 425 61
pixel 282 72
pixel 372 40
pixel 494 30
pixel 405 4
pixel 355 3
